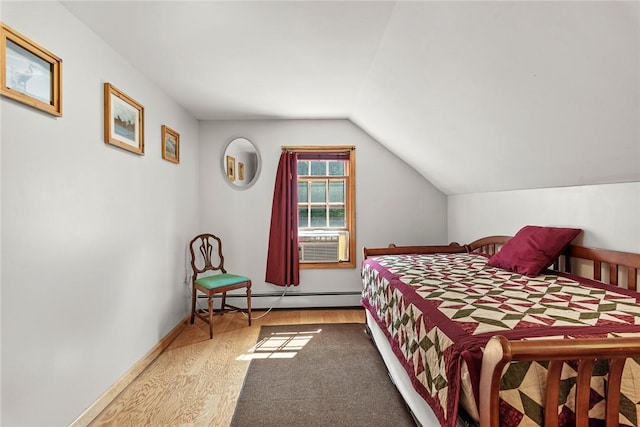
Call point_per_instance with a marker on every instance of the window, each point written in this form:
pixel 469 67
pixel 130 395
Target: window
pixel 326 205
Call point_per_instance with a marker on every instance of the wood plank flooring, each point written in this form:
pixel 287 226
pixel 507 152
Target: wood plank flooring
pixel 196 380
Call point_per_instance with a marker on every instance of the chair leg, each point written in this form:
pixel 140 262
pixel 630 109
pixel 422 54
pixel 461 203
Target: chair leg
pixel 249 303
pixel 193 303
pixel 223 304
pixel 210 300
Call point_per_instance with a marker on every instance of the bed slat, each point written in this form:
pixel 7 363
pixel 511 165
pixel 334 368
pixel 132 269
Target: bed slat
pixel 553 392
pixel 613 399
pixel 583 390
pixel 597 270
pixel 613 274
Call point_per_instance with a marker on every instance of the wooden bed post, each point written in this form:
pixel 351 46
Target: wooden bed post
pixel 500 351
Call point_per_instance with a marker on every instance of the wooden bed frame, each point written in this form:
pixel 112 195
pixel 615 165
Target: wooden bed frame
pixel 607 266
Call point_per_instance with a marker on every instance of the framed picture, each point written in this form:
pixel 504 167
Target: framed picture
pixel 29 73
pixel 170 144
pixel 123 120
pixel 240 171
pixel 231 168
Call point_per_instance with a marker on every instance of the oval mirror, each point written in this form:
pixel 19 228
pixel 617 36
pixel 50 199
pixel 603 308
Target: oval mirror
pixel 240 163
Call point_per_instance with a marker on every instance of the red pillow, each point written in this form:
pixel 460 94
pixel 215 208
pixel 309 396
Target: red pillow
pixel 533 249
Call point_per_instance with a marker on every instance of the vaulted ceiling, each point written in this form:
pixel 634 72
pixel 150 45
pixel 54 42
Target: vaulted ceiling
pixel 476 96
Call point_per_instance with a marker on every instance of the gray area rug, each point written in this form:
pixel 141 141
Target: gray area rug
pixel 318 375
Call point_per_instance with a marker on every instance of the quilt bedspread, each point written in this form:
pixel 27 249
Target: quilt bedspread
pixel 438 310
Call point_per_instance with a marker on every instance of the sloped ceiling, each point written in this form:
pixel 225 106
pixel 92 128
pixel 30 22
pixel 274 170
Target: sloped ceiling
pixel 476 96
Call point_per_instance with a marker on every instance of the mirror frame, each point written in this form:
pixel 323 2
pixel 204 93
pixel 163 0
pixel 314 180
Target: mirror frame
pixel 223 166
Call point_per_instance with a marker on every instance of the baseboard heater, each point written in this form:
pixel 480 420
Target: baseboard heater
pixel 296 294
pixel 263 300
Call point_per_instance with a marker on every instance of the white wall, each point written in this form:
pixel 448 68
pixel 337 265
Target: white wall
pixel 497 95
pixel 393 202
pixel 93 237
pixel 608 214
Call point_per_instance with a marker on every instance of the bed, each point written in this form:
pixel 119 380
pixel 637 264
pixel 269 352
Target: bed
pixel 469 339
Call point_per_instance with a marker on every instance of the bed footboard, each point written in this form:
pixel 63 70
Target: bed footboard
pixel 500 351
pixel 487 245
pixel 392 249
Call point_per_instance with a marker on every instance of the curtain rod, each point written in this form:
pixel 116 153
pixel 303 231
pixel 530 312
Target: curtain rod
pixel 311 148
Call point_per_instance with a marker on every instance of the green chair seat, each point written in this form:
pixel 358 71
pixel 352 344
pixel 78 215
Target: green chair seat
pixel 220 280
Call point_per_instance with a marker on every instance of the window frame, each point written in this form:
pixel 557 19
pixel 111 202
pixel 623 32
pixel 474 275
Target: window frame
pixel 349 204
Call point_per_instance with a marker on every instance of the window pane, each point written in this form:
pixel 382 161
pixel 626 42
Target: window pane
pixel 336 217
pixel 318 192
pixel 303 217
pixel 336 168
pixel 303 192
pixel 319 168
pixel 336 191
pixel 303 167
pixel 318 217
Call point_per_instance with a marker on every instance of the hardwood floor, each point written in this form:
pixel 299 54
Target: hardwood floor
pixel 196 380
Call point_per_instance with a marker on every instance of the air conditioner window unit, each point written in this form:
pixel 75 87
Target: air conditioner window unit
pixel 322 246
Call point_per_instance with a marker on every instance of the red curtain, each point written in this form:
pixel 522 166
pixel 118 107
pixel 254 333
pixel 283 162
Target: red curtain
pixel 283 266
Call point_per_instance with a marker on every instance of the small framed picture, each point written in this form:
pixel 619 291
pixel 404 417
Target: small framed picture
pixel 231 168
pixel 240 171
pixel 123 120
pixel 29 73
pixel 170 144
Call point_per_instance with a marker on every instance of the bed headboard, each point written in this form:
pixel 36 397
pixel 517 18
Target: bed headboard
pixel 487 245
pixel 613 267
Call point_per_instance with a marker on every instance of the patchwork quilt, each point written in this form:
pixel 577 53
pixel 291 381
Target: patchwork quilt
pixel 440 310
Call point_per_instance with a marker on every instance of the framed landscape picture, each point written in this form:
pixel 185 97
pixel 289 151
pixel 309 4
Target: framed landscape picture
pixel 170 144
pixel 29 73
pixel 240 171
pixel 231 168
pixel 123 120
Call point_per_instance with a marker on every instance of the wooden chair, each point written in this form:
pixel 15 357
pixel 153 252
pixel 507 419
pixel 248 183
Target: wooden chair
pixel 204 248
pixel 500 351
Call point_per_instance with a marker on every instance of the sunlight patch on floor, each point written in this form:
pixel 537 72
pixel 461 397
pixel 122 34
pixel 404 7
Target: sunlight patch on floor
pixel 279 345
